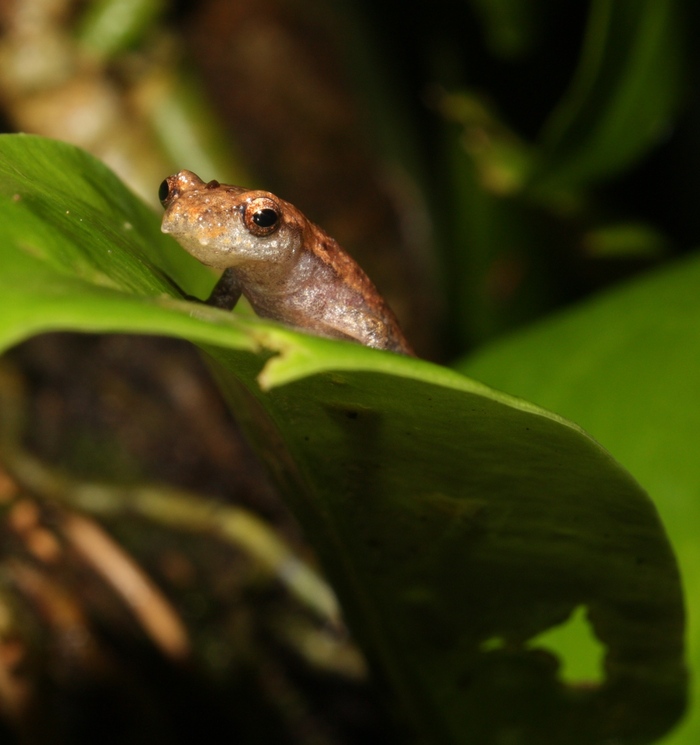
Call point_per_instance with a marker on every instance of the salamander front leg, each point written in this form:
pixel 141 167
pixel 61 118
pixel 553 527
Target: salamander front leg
pixel 226 292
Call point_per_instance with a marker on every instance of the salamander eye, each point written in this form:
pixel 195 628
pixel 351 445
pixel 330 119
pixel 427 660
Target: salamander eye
pixel 265 218
pixel 262 216
pixel 163 192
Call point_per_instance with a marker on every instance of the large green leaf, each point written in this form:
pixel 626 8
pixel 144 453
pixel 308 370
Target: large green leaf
pixel 456 523
pixel 627 367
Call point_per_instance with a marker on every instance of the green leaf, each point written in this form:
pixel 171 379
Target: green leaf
pixel 622 98
pixel 110 26
pixel 456 524
pixel 498 274
pixel 627 367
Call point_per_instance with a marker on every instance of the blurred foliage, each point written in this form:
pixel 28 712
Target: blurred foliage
pixel 527 204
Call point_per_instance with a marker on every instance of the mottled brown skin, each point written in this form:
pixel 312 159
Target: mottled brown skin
pixel 287 267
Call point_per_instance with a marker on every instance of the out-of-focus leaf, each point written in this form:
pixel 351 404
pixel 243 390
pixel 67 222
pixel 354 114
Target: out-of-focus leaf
pixel 187 130
pixel 457 524
pixel 625 240
pixel 110 26
pixel 493 239
pixel 622 97
pixel 510 25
